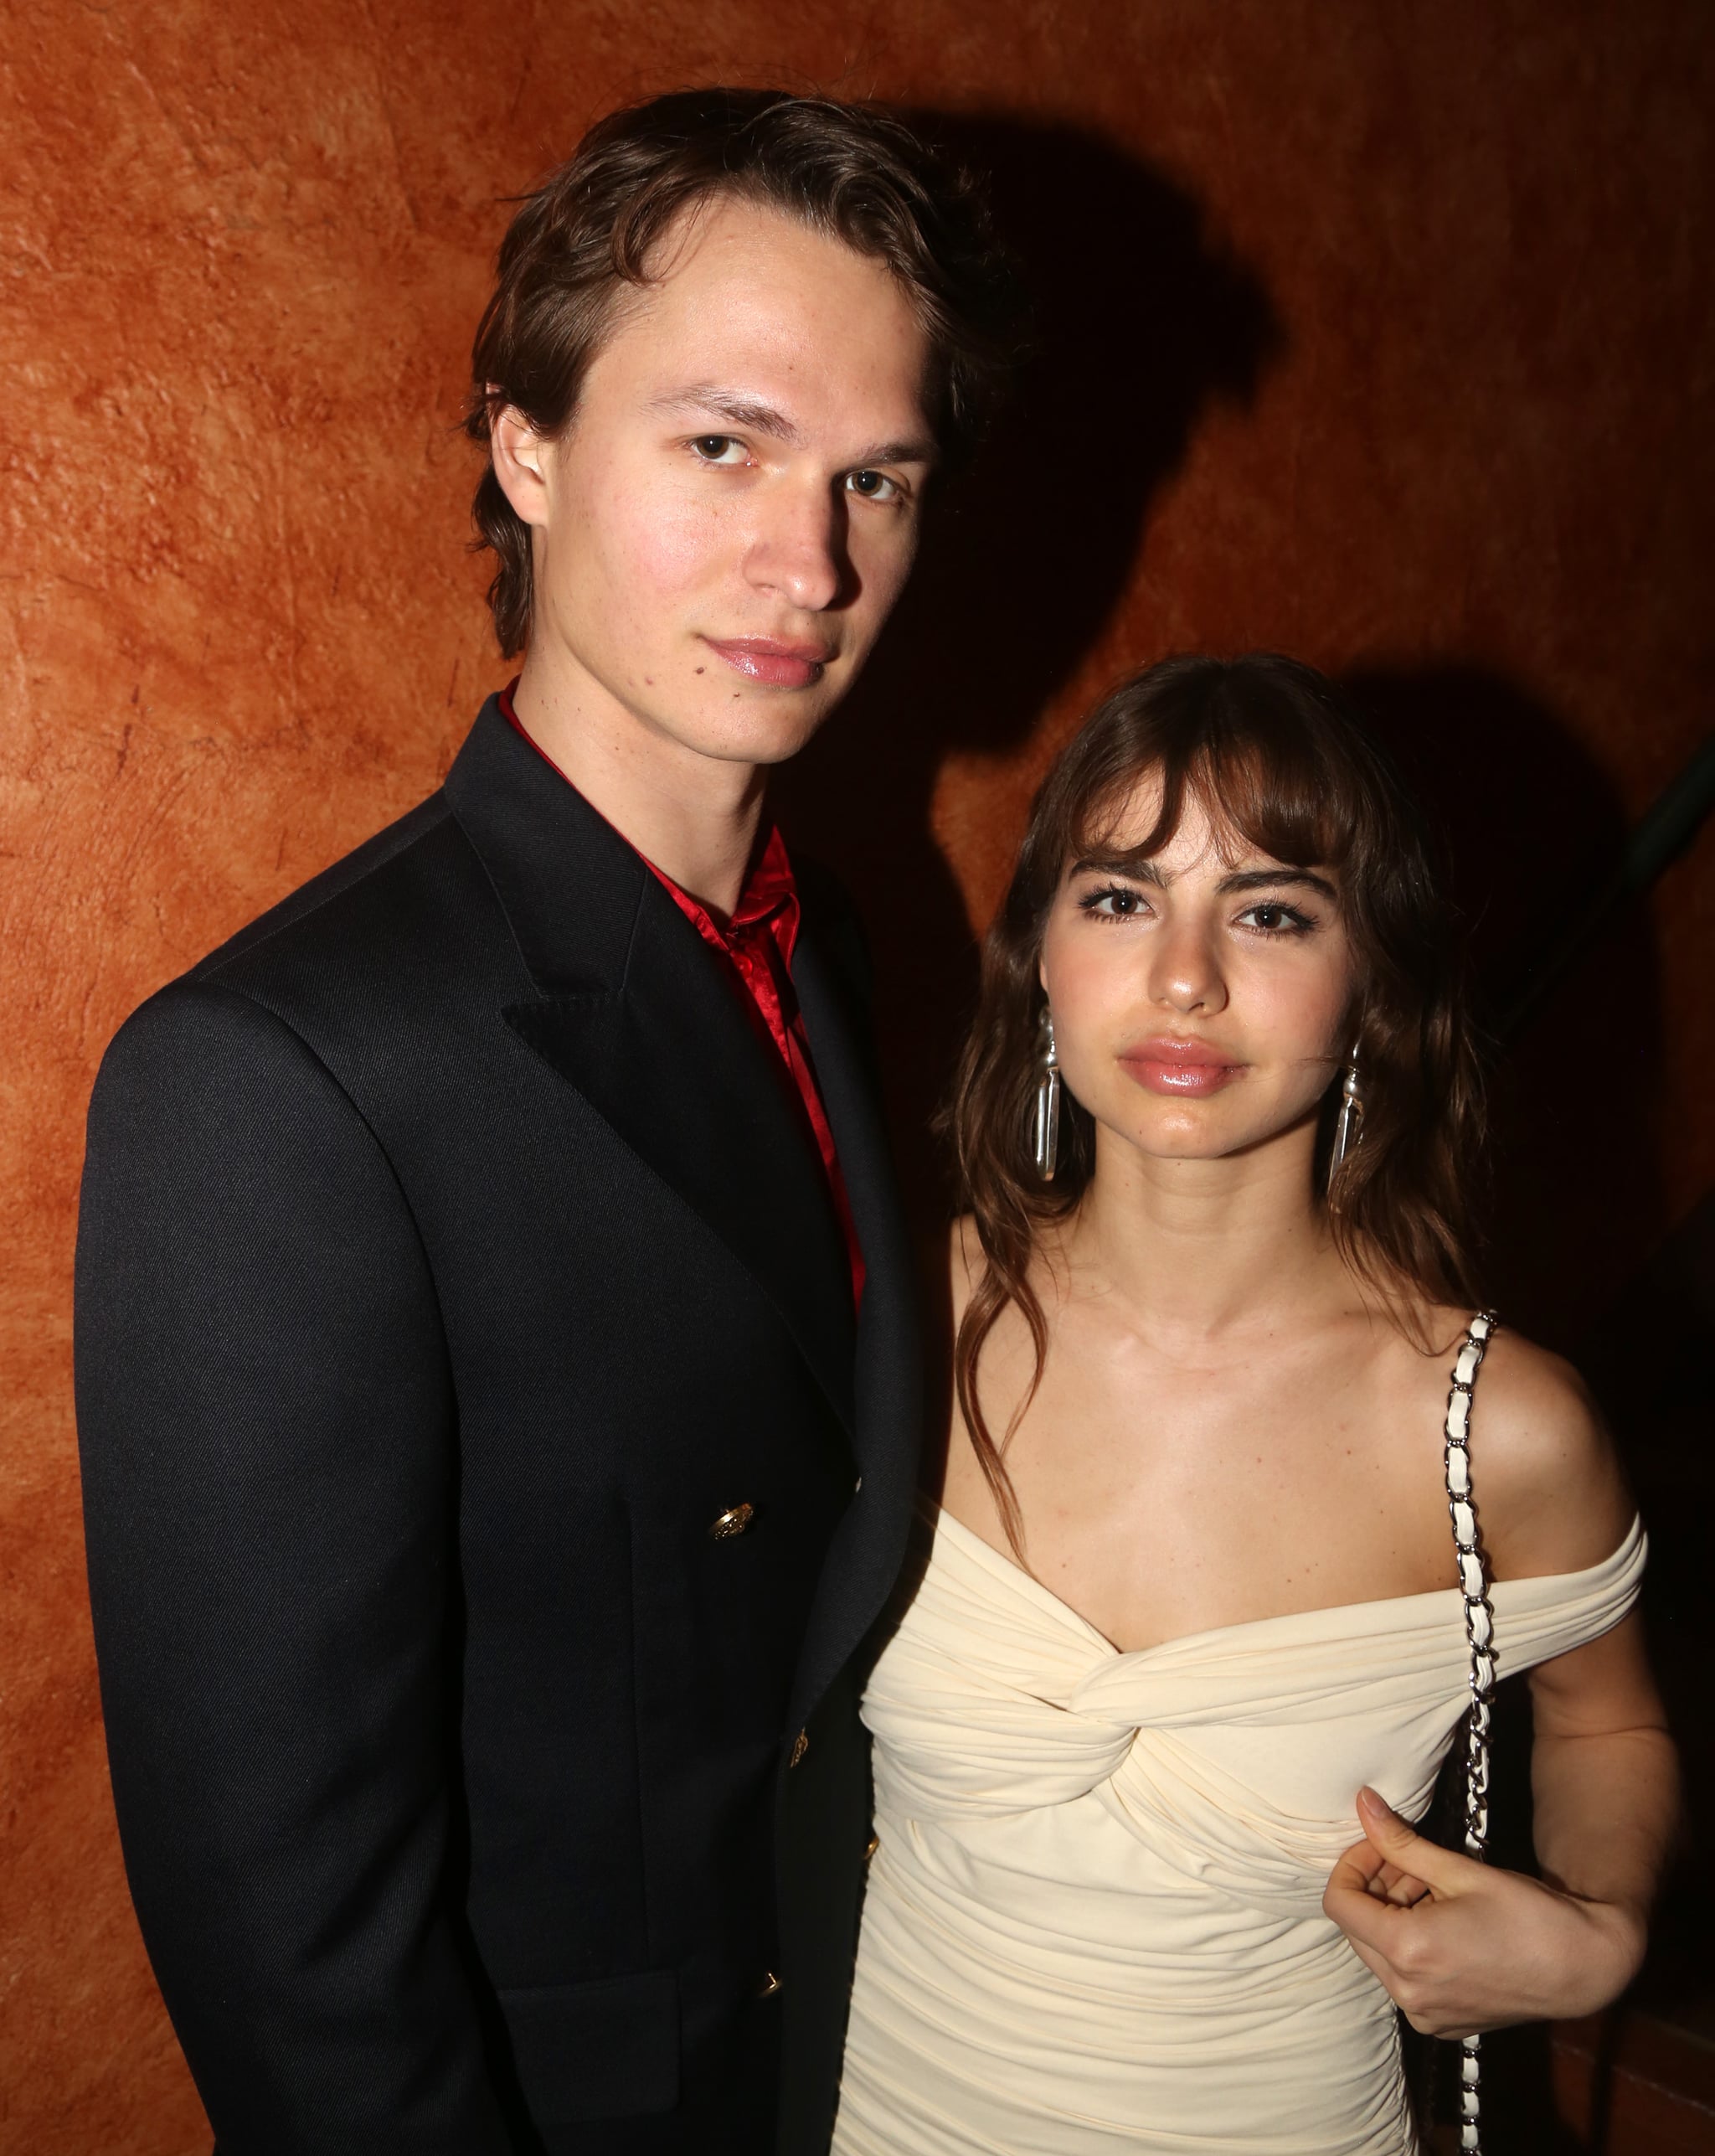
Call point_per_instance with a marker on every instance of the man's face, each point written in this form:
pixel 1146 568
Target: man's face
pixel 726 524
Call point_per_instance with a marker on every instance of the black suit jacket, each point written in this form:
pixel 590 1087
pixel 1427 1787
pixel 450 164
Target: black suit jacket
pixel 452 1257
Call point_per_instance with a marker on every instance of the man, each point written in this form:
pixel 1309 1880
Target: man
pixel 496 1380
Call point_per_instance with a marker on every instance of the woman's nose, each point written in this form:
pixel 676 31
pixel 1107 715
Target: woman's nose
pixel 1184 969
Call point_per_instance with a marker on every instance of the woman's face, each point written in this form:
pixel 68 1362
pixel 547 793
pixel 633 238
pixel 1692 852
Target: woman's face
pixel 1201 999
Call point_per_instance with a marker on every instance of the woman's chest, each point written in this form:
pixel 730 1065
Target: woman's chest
pixel 1161 1510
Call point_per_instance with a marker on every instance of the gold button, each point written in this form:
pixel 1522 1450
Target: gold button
pixel 871 1847
pixel 735 1521
pixel 769 1985
pixel 800 1745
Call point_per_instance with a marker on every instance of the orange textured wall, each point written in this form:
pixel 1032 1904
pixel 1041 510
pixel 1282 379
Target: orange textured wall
pixel 1381 334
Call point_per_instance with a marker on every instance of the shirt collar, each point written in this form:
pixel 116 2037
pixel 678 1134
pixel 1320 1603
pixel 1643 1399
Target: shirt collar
pixel 770 890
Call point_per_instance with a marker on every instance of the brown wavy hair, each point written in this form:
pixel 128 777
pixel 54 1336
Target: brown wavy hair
pixel 1272 752
pixel 589 234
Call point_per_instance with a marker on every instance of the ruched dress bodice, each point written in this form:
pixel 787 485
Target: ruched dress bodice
pixel 1094 1920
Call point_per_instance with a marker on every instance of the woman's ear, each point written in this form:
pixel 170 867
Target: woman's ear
pixel 520 457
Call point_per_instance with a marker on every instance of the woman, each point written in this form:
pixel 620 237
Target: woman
pixel 1182 1656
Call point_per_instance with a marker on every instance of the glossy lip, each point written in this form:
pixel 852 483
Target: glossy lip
pixel 1169 1065
pixel 769 660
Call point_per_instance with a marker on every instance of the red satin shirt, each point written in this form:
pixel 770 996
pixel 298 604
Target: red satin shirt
pixel 755 948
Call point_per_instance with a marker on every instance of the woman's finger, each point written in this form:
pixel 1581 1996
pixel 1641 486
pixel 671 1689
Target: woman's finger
pixel 1401 1889
pixel 1357 1867
pixel 1365 1921
pixel 1395 1842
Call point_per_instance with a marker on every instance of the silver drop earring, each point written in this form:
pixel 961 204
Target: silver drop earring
pixel 1348 1130
pixel 1046 1128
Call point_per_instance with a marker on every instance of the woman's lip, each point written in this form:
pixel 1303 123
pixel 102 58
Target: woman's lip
pixel 1171 1048
pixel 776 665
pixel 1179 1066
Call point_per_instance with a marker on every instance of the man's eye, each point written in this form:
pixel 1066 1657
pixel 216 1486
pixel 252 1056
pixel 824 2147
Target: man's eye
pixel 872 486
pixel 724 449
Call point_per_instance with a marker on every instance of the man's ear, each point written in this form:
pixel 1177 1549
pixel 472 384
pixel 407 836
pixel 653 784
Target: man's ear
pixel 520 458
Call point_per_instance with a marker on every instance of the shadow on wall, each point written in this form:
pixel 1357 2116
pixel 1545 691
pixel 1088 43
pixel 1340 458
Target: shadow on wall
pixel 1580 1258
pixel 1138 314
pixel 1652 1363
pixel 1532 825
pixel 1135 313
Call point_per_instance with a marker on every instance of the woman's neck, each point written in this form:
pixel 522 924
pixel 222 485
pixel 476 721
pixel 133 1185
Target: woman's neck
pixel 1203 1248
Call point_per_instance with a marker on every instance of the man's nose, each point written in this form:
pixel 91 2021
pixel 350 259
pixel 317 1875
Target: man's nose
pixel 1185 968
pixel 798 552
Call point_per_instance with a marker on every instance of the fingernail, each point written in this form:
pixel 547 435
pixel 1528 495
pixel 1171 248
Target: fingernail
pixel 1371 1802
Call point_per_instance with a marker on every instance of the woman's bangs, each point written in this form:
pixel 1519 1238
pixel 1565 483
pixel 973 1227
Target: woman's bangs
pixel 1272 797
pixel 1280 797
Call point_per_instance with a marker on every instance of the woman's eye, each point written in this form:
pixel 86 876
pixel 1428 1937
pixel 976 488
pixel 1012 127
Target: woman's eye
pixel 1113 902
pixel 872 486
pixel 724 449
pixel 1273 917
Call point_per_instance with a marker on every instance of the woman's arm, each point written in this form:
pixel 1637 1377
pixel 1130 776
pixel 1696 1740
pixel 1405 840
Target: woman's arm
pixel 1605 1777
pixel 1461 1946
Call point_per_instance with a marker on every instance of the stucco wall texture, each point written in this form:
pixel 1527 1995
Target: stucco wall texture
pixel 1379 334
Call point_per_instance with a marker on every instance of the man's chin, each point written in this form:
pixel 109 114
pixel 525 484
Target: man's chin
pixel 768 729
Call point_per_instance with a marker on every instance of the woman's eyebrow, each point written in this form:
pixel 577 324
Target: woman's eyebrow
pixel 1244 879
pixel 1258 880
pixel 1118 864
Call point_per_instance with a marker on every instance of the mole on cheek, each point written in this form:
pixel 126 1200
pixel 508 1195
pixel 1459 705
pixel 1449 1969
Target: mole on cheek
pixel 699 669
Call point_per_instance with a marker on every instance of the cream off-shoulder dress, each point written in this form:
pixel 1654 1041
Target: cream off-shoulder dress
pixel 1094 1920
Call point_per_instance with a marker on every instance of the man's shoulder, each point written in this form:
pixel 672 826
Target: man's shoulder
pixel 395 934
pixel 400 928
pixel 375 894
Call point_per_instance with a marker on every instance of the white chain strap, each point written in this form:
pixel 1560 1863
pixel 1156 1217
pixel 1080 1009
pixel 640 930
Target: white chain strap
pixel 1479 1634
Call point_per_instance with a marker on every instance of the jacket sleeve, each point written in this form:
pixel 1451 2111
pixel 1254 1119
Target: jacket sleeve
pixel 266 1425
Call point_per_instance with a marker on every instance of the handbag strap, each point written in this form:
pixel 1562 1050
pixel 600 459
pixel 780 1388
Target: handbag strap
pixel 1479 1637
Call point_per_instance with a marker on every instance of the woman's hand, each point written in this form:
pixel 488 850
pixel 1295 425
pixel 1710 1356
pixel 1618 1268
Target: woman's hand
pixel 1461 1947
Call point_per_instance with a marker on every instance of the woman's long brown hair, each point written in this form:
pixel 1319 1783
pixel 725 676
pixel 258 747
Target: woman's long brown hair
pixel 1273 754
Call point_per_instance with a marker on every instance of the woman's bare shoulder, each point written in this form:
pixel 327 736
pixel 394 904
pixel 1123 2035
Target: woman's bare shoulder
pixel 1551 1494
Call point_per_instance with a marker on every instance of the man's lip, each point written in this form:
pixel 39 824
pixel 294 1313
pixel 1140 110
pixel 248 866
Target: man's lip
pixel 773 660
pixel 775 647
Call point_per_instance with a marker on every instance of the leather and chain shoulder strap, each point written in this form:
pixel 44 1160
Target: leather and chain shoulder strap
pixel 1479 1636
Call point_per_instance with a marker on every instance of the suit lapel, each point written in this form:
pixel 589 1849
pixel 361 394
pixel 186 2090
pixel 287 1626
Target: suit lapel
pixel 633 1011
pixel 869 1546
pixel 674 1066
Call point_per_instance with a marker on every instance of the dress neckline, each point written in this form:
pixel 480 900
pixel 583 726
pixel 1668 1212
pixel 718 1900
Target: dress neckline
pixel 940 1520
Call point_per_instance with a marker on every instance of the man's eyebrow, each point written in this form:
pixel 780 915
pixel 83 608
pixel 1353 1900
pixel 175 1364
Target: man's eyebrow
pixel 729 404
pixel 767 418
pixel 896 452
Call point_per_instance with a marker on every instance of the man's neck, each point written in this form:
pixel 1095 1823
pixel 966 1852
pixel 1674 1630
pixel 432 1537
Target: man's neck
pixel 694 816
